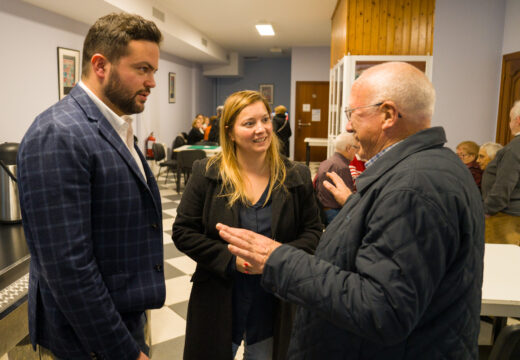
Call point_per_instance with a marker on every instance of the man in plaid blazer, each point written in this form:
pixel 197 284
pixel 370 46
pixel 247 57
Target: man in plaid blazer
pixel 90 205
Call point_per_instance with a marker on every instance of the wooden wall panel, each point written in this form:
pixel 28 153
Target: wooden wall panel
pixel 338 32
pixel 382 27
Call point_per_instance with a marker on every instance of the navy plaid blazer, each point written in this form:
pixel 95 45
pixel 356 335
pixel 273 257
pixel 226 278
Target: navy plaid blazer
pixel 94 230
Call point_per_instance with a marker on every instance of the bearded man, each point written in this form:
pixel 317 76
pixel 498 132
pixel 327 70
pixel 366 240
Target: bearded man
pixel 91 208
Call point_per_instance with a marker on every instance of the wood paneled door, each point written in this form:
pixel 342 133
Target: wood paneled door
pixel 311 117
pixel 509 93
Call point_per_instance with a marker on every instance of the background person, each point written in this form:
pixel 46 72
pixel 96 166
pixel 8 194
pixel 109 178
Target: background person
pixel 486 153
pixel 196 134
pixel 282 128
pixel 389 278
pixel 501 188
pixel 90 204
pixel 247 185
pixel 346 147
pixel 467 151
pixel 214 134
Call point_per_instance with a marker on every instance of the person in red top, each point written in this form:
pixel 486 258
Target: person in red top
pixel 356 166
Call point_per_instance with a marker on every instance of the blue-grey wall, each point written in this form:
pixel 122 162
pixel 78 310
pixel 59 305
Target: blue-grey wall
pixel 276 71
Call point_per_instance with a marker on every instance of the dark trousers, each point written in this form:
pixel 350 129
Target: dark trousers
pixel 137 333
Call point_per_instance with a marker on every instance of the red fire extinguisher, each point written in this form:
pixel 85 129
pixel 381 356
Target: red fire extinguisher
pixel 149 146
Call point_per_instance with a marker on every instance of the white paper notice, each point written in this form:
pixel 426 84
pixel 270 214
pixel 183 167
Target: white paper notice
pixel 306 108
pixel 316 114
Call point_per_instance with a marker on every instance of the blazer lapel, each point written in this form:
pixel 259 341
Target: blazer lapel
pixel 107 130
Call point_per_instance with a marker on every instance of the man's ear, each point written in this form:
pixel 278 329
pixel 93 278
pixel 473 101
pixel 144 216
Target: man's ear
pixel 390 114
pixel 100 65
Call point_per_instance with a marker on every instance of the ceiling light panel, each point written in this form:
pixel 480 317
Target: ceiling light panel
pixel 265 29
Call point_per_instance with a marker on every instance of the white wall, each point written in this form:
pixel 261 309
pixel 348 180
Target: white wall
pixel 467 51
pixel 307 64
pixel 30 36
pixel 512 27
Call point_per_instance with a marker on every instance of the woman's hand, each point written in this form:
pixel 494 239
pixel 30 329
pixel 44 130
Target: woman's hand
pixel 242 265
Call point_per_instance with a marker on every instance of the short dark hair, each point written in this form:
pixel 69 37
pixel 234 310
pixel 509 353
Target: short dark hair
pixel 111 34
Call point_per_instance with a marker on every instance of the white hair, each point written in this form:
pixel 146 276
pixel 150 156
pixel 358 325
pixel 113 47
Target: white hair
pixel 515 110
pixel 344 139
pixel 491 149
pixel 405 85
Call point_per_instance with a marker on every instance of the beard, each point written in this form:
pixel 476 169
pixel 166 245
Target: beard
pixel 121 97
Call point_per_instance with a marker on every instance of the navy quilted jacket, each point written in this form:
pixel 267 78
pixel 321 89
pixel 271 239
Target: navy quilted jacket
pixel 398 273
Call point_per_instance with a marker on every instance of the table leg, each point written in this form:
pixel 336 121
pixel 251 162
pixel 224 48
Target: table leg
pixel 307 154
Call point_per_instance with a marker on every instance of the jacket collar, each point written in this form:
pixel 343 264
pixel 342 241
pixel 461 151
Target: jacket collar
pixel 423 140
pixel 106 129
pixel 292 178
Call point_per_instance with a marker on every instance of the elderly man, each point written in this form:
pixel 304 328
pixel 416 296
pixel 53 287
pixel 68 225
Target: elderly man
pixel 501 188
pixel 398 273
pixel 346 147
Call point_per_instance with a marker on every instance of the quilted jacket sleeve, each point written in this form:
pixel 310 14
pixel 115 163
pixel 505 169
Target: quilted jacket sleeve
pixel 402 258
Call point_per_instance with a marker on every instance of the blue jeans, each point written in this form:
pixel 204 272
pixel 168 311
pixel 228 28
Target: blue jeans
pixel 262 350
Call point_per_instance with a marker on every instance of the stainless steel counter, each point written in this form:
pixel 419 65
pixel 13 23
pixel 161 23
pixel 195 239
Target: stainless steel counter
pixel 14 267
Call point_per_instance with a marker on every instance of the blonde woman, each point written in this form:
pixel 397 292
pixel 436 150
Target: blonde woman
pixel 196 133
pixel 247 185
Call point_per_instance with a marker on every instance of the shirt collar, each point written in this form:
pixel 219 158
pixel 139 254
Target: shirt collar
pixel 120 124
pixel 377 156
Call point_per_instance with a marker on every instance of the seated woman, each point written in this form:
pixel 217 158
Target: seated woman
pixel 468 152
pixel 486 153
pixel 196 134
pixel 247 185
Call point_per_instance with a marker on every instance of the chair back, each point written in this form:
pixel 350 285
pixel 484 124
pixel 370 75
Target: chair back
pixel 507 345
pixel 177 142
pixel 186 158
pixel 158 152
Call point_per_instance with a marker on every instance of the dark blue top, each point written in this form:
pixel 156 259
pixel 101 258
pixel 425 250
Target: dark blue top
pixel 252 306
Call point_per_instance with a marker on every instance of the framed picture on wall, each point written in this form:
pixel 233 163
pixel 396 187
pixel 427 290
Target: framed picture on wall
pixel 267 91
pixel 68 70
pixel 171 87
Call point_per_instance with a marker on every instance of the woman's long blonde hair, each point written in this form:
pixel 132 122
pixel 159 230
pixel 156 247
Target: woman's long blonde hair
pixel 233 182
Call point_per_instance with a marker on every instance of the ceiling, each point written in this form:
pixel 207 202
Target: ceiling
pixel 206 31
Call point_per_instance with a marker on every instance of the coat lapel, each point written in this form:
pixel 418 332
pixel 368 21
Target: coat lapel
pixel 108 132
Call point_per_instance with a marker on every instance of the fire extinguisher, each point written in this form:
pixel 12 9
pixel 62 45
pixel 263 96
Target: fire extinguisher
pixel 149 146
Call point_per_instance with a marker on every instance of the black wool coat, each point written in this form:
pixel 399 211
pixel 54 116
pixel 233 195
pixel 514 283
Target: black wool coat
pixel 295 221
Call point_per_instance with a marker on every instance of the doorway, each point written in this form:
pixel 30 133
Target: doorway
pixel 509 93
pixel 311 117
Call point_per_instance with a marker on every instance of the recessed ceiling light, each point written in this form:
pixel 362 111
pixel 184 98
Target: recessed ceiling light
pixel 265 29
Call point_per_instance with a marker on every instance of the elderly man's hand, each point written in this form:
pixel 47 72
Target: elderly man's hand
pixel 250 246
pixel 339 190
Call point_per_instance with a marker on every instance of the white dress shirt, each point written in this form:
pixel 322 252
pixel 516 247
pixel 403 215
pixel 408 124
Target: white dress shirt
pixel 121 124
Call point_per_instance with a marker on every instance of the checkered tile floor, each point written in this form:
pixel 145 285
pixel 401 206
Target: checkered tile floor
pixel 169 322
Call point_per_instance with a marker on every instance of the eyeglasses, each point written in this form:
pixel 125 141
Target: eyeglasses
pixel 349 112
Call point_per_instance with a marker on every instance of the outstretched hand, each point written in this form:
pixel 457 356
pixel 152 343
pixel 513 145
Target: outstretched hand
pixel 339 190
pixel 250 246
